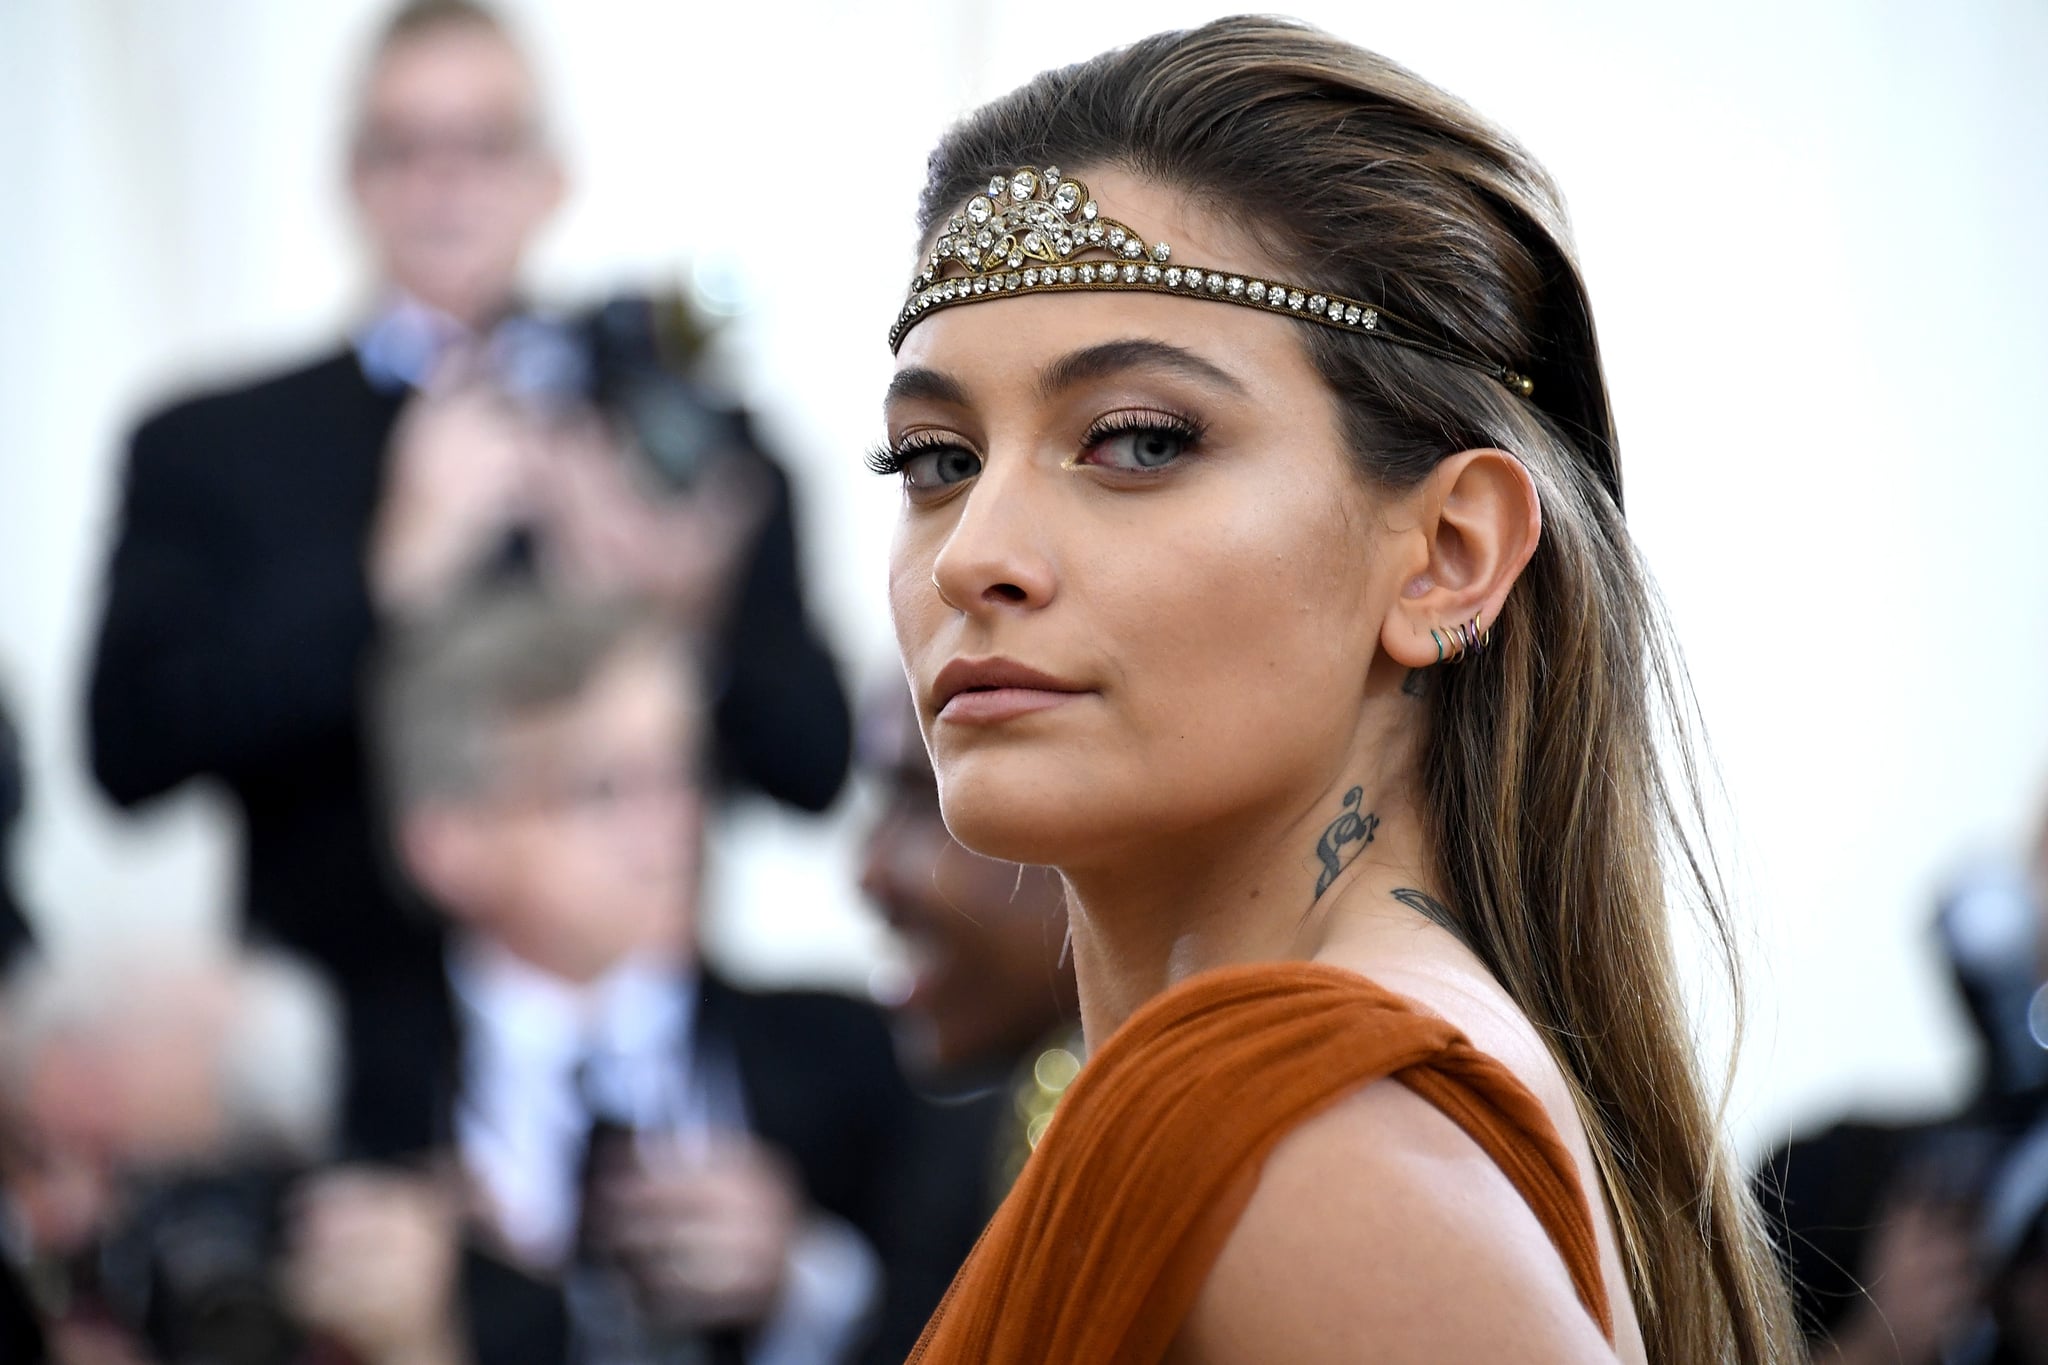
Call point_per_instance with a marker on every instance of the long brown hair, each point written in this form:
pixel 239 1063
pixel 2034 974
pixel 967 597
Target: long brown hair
pixel 1552 819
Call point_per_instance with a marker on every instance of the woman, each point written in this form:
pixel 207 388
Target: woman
pixel 1262 568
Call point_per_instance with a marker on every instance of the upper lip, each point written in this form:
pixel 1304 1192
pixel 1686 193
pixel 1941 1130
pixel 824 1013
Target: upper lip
pixel 968 675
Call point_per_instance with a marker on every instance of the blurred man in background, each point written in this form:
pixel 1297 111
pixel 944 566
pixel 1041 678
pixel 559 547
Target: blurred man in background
pixel 270 532
pixel 1926 1242
pixel 989 1020
pixel 705 1170
pixel 164 1125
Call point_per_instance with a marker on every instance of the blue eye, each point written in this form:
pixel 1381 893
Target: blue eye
pixel 929 464
pixel 936 467
pixel 1149 448
pixel 1140 441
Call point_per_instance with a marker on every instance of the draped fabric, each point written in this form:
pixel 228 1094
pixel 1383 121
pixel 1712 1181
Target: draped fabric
pixel 1100 1250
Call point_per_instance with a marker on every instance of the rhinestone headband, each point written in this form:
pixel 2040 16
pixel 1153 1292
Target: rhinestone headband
pixel 1036 231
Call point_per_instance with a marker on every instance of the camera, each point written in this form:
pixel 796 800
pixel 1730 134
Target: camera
pixel 1988 931
pixel 639 348
pixel 192 1270
pixel 630 358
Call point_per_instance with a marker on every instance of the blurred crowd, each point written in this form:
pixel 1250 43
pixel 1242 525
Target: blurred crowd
pixel 476 619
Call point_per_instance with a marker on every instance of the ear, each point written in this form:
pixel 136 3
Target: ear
pixel 446 853
pixel 1478 523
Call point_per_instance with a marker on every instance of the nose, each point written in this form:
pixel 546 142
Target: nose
pixel 996 558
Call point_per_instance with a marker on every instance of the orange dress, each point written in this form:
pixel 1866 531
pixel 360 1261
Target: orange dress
pixel 1101 1248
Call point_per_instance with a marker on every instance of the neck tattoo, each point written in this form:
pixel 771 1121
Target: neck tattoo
pixel 1350 827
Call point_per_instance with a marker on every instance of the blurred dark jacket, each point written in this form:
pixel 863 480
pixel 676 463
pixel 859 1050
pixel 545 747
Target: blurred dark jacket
pixel 949 1189
pixel 238 620
pixel 15 934
pixel 1823 1197
pixel 21 1331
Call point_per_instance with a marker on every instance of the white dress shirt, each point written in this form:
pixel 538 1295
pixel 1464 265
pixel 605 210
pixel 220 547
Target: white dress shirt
pixel 523 1116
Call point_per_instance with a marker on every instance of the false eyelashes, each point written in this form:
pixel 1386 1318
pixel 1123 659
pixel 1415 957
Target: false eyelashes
pixel 887 459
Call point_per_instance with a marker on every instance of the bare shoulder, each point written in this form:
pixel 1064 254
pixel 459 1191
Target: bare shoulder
pixel 1380 1231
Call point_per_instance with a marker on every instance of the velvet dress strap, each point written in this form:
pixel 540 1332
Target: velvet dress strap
pixel 1105 1242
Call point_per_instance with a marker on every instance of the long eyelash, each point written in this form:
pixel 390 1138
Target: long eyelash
pixel 1145 421
pixel 888 459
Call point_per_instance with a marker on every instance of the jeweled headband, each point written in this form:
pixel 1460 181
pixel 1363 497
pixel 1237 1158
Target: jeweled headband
pixel 1036 231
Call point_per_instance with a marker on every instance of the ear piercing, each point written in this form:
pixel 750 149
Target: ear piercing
pixel 1455 642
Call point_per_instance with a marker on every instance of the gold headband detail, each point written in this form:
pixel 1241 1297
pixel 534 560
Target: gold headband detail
pixel 1036 232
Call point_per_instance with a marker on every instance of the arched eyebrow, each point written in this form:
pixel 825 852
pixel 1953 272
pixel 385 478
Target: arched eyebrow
pixel 1112 358
pixel 930 385
pixel 1103 361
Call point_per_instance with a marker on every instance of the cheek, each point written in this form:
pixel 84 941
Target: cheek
pixel 1256 631
pixel 914 606
pixel 550 862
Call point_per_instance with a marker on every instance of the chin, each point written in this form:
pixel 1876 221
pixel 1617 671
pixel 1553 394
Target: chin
pixel 1039 812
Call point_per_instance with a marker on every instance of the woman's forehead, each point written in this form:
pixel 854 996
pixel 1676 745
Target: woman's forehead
pixel 1035 347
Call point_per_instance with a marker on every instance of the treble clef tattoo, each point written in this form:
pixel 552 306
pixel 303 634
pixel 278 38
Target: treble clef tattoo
pixel 1348 828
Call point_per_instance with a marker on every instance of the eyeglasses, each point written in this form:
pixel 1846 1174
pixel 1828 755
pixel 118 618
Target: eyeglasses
pixel 598 791
pixel 487 146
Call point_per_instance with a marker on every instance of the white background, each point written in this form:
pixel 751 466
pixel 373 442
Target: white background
pixel 1813 233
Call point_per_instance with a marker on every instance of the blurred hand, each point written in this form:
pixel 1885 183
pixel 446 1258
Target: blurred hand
pixel 94 1343
pixel 608 535
pixel 460 472
pixel 372 1262
pixel 1922 1284
pixel 705 1238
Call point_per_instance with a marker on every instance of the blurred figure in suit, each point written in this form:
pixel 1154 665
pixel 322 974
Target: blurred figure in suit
pixel 704 1169
pixel 987 1024
pixel 270 532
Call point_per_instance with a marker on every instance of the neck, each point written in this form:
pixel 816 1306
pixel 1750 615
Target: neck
pixel 477 313
pixel 568 963
pixel 1266 889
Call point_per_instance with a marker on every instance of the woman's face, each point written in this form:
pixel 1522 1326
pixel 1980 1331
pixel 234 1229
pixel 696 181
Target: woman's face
pixel 1132 533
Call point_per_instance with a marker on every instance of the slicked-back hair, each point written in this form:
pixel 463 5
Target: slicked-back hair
pixel 1552 819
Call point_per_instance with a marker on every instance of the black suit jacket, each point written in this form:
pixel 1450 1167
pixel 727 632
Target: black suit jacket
pixel 819 1078
pixel 236 627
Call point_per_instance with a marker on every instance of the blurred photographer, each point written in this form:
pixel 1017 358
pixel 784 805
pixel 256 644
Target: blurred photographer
pixel 702 1169
pixel 165 1128
pixel 1923 1242
pixel 269 533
